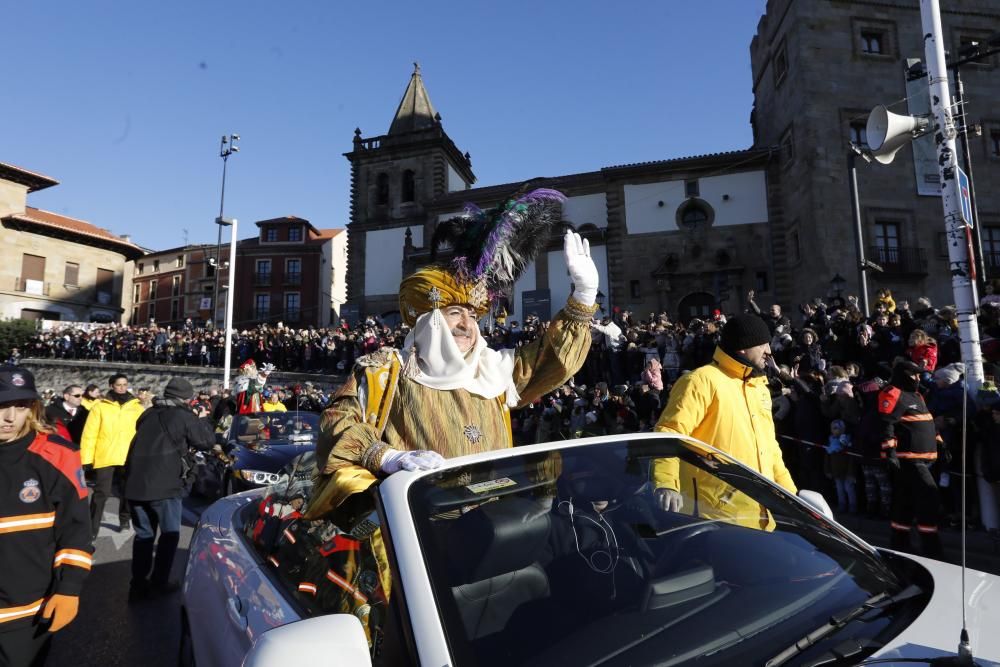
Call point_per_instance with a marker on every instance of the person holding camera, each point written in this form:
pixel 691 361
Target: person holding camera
pixel 154 482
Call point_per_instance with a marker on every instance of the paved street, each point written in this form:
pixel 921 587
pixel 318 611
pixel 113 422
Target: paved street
pixel 110 632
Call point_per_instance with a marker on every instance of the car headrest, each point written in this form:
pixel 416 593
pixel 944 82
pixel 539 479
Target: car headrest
pixel 496 538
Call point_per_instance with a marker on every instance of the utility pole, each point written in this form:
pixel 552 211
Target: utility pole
pixel 958 233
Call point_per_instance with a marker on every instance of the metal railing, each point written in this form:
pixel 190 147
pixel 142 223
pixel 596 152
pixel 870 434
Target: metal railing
pixel 262 279
pixel 293 278
pixel 899 260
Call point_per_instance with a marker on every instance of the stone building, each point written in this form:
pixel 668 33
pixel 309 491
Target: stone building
pixel 56 267
pixel 393 178
pixel 688 235
pixel 818 69
pixel 685 235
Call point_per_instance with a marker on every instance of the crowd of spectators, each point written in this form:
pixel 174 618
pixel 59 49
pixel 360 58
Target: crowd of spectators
pixel 328 350
pixel 829 365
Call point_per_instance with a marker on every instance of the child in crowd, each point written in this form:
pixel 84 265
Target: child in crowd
pixel 840 467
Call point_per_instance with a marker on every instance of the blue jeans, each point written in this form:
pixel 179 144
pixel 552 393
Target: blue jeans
pixel 148 516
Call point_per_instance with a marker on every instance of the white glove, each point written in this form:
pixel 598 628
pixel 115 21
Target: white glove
pixel 669 500
pixel 422 459
pixel 582 270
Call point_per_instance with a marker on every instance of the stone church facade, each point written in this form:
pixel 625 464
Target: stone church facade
pixel 689 235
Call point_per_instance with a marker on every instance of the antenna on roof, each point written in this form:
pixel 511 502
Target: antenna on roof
pixel 184 231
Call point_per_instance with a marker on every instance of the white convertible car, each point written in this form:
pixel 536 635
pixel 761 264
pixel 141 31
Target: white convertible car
pixel 557 554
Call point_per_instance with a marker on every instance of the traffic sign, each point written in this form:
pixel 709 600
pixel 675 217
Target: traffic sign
pixel 966 198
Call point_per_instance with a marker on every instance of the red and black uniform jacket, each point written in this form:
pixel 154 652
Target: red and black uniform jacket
pixel 45 542
pixel 907 425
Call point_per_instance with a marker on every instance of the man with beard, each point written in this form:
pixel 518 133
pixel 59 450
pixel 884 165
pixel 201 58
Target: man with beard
pixel 726 404
pixel 446 393
pixel 104 445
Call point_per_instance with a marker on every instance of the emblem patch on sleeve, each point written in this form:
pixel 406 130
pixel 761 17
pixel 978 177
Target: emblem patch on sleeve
pixel 30 492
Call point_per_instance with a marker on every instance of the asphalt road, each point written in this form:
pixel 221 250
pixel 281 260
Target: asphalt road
pixel 110 632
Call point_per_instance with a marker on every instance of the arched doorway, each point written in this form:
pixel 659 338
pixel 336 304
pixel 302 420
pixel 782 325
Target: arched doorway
pixel 696 304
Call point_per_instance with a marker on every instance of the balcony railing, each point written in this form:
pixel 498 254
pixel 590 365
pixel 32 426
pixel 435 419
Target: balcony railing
pixel 293 278
pixel 28 286
pixel 261 313
pixel 898 260
pixel 262 279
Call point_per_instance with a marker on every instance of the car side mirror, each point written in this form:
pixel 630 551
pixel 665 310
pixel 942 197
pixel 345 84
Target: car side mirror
pixel 339 635
pixel 816 501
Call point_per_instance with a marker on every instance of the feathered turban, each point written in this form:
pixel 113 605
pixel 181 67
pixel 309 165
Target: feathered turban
pixel 490 250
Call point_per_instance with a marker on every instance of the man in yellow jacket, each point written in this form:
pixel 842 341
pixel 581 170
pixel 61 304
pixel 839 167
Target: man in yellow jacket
pixel 104 445
pixel 726 404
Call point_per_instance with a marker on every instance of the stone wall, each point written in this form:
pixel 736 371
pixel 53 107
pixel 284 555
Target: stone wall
pixel 58 373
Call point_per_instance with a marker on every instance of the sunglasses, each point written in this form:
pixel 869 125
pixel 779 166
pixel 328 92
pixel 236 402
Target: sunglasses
pixel 76 395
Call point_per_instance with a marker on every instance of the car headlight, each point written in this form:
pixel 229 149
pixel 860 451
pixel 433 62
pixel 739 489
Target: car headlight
pixel 258 477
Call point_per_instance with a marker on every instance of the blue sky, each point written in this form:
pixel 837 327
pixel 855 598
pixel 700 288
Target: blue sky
pixel 124 103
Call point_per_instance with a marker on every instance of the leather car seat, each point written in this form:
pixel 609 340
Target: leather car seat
pixel 494 564
pixel 252 430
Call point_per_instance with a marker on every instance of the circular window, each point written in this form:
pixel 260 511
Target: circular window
pixel 694 214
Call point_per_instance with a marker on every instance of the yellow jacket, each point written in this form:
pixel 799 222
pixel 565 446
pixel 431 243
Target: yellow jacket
pixel 724 405
pixel 268 406
pixel 108 432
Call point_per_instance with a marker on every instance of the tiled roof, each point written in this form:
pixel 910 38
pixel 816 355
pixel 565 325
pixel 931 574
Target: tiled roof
pixel 33 180
pixel 287 219
pixel 37 216
pixel 749 152
pixel 329 233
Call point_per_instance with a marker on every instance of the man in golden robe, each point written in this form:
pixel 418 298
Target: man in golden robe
pixel 447 394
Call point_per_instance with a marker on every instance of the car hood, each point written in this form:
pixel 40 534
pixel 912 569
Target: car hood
pixel 936 631
pixel 270 459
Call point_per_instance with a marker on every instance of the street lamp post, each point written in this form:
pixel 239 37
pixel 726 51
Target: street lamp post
pixel 226 148
pixel 859 238
pixel 227 364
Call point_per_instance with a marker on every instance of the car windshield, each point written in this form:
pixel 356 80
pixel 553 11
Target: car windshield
pixel 276 426
pixel 565 557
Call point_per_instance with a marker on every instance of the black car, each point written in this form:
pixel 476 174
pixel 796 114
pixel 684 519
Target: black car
pixel 258 446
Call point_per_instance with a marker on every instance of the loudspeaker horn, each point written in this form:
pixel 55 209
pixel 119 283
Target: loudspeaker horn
pixel 887 132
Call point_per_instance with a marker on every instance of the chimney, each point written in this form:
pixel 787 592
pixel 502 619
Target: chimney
pixel 126 237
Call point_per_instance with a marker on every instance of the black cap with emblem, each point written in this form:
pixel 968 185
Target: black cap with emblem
pixel 17 384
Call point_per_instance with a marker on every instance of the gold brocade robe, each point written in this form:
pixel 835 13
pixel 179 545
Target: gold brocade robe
pixel 453 422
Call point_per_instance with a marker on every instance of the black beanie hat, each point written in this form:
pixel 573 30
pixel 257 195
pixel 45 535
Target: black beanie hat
pixel 743 332
pixel 179 388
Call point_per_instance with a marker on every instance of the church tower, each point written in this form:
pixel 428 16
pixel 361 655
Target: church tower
pixel 393 178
